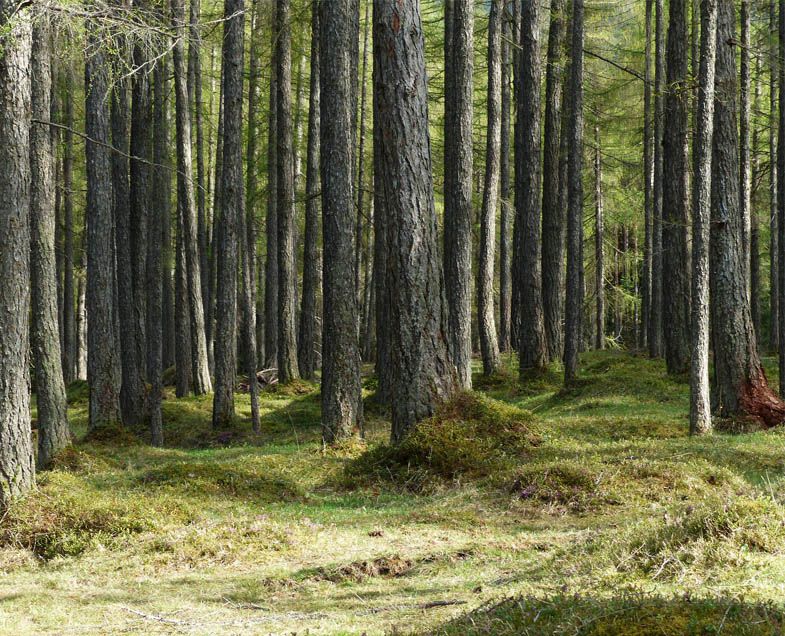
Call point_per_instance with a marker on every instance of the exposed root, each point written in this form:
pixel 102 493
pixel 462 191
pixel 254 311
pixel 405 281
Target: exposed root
pixel 761 404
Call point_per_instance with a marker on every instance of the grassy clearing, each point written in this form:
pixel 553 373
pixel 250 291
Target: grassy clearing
pixel 590 509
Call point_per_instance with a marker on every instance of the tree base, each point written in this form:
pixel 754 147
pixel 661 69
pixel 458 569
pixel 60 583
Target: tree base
pixel 761 404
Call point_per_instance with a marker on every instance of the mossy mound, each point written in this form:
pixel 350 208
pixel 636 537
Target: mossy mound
pixel 633 615
pixel 470 435
pixel 74 460
pixel 291 389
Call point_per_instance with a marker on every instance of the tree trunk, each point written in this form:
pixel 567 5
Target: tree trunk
pixel 102 348
pixel 648 186
pixel 287 274
pixel 423 374
pixel 81 329
pixel 271 223
pixel 360 193
pixel 17 471
pixel 599 282
pixel 491 360
pixel 553 215
pixel 69 310
pixel 754 218
pixel 380 252
pixel 532 345
pixel 232 199
pixel 741 387
pixel 183 366
pixel 306 343
pixel 574 301
pixel 744 141
pixel 505 284
pixel 341 390
pixel 53 431
pixel 675 206
pixel 774 324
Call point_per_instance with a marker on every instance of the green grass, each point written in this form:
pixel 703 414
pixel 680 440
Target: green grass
pixel 583 511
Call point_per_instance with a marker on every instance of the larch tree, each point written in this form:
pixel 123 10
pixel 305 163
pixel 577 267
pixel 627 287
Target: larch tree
pixel 655 314
pixel 675 196
pixel 505 262
pixel 341 389
pixel 745 184
pixel 53 431
pixel 458 160
pixel 491 360
pixel 232 207
pixel 741 386
pixel 17 470
pixel 271 221
pixel 700 401
pixel 574 297
pixel 533 353
pixel 648 184
pixel 773 178
pixel 423 374
pixel 69 297
pixel 599 276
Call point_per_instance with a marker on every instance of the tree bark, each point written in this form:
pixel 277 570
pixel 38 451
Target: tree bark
pixel 599 282
pixel 574 300
pixel 271 223
pixel 675 206
pixel 287 275
pixel 53 431
pixel 423 374
pixel 183 366
pixel 306 343
pixel 491 360
pixel 69 309
pixel 648 186
pixel 553 215
pixel 773 178
pixel 232 199
pixel 744 141
pixel 505 284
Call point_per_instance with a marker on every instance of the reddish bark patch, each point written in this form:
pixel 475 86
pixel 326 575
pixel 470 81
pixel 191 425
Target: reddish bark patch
pixel 761 403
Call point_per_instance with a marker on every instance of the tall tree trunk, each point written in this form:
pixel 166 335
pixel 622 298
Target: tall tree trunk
pixel 754 218
pixel 69 310
pixel 505 284
pixel 232 199
pixel 341 390
pixel 648 186
pixel 102 348
pixel 382 308
pixel 183 366
pixel 744 141
pixel 655 328
pixel 700 403
pixel 574 302
pixel 306 343
pixel 271 223
pixel 361 171
pixel 81 329
pixel 553 215
pixel 17 471
pixel 53 431
pixel 532 345
pixel 741 386
pixel 675 206
pixel 599 282
pixel 515 239
pixel 491 360
pixel 422 372
pixel 185 192
pixel 458 156
pixel 209 327
pixel 773 178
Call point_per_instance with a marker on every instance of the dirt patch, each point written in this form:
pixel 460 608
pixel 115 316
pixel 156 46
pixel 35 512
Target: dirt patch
pixel 360 570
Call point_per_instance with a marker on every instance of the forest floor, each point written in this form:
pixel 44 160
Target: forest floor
pixel 615 523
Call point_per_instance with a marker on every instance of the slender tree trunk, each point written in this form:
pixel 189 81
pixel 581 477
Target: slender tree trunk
pixel 744 141
pixel 754 218
pixel 458 156
pixel 515 240
pixel 675 205
pixel 422 372
pixel 774 324
pixel 341 390
pixel 81 329
pixel 553 215
pixel 17 471
pixel 505 284
pixel 232 209
pixel 361 171
pixel 491 360
pixel 183 357
pixel 382 308
pixel 648 185
pixel 53 431
pixel 573 306
pixel 306 353
pixel 185 192
pixel 209 327
pixel 532 344
pixel 102 367
pixel 741 386
pixel 271 224
pixel 599 283
pixel 69 310
pixel 781 198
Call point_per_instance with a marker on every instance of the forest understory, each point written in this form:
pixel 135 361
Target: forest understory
pixel 597 515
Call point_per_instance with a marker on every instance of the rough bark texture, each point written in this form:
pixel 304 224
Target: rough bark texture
pixel 53 431
pixel 341 403
pixel 81 329
pixel 187 204
pixel 781 199
pixel 573 306
pixel 700 401
pixel 17 471
pixel 532 346
pixel 491 360
pixel 458 157
pixel 599 278
pixel 655 317
pixel 69 296
pixel 774 324
pixel 306 343
pixel 183 366
pixel 648 176
pixel 422 372
pixel 553 214
pixel 271 222
pixel 505 284
pixel 102 367
pixel 675 201
pixel 232 199
pixel 287 274
pixel 741 388
pixel 745 185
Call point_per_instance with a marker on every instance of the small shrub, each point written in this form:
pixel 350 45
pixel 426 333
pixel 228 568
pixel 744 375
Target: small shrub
pixel 570 486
